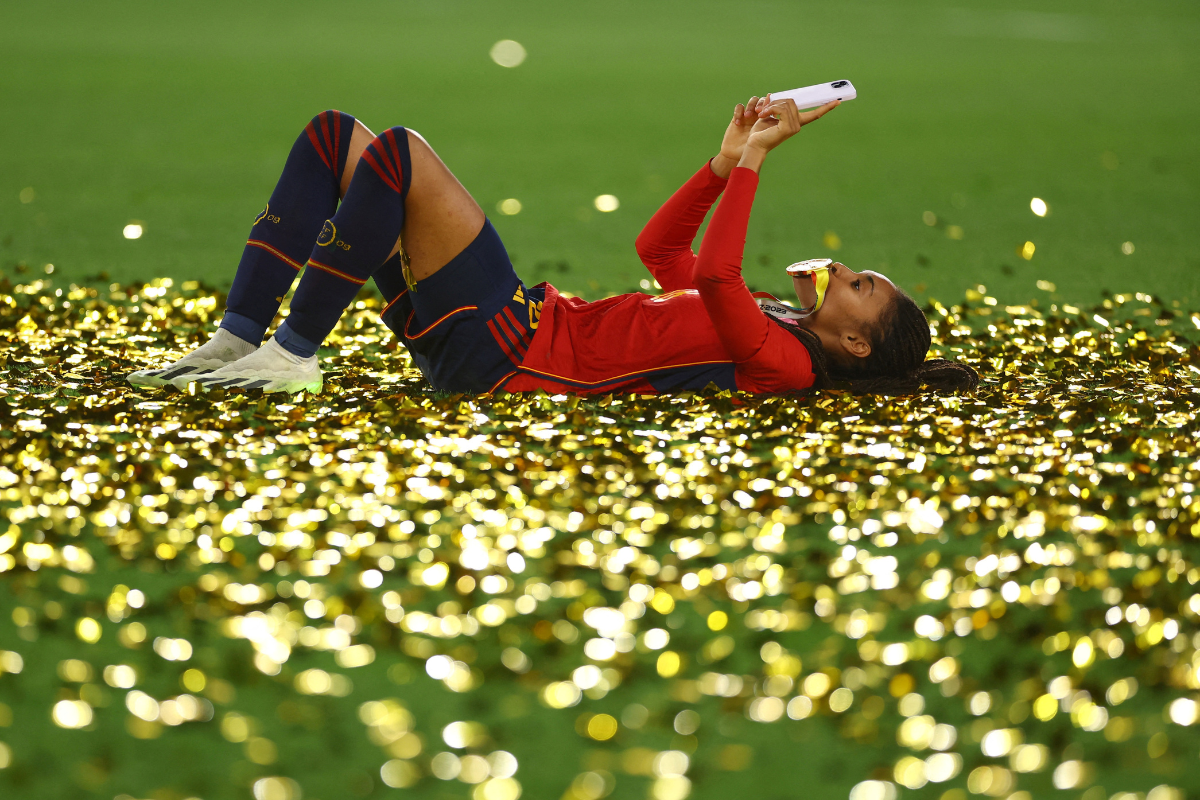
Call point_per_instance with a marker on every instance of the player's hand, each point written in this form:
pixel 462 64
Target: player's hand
pixel 744 118
pixel 780 120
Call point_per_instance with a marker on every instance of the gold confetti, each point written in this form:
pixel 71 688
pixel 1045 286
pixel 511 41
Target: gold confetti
pixel 983 591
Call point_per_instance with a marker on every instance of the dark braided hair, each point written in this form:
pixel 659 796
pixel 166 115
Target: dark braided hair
pixel 896 365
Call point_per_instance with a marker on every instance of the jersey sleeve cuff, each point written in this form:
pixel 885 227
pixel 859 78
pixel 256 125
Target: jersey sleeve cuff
pixel 714 178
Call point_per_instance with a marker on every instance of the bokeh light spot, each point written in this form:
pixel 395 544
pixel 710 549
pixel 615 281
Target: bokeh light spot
pixel 88 630
pixel 276 788
pixel 72 714
pixel 602 727
pixel 508 53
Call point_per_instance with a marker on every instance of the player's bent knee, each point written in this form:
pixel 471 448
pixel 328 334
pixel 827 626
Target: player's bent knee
pixel 417 140
pixel 388 155
pixel 328 116
pixel 419 146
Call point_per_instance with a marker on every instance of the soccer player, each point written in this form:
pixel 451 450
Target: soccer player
pixel 452 297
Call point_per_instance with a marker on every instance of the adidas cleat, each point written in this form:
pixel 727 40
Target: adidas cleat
pixel 270 368
pixel 223 348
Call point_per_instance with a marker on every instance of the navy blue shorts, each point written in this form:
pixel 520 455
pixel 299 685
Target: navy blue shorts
pixel 469 325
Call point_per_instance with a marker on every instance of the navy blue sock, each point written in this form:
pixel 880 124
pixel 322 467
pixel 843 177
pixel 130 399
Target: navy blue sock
pixel 353 244
pixel 283 234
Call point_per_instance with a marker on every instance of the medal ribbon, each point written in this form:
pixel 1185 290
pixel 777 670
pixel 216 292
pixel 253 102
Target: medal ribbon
pixel 777 309
pixel 772 306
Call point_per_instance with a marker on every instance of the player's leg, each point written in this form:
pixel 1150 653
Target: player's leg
pixel 401 191
pixel 461 309
pixel 441 217
pixel 400 186
pixel 317 170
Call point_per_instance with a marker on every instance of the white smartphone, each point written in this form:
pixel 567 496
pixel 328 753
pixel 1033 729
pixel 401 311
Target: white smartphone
pixel 818 95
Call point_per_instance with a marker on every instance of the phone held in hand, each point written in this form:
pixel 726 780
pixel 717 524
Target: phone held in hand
pixel 818 94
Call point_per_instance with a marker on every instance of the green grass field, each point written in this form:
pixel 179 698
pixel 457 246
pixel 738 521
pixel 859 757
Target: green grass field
pixel 219 597
pixel 180 116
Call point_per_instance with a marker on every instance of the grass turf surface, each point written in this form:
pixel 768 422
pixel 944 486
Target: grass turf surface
pixel 181 116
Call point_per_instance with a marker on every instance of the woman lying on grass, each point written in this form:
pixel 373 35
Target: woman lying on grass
pixel 471 325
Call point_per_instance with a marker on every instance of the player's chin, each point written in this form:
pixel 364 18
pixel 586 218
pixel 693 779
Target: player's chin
pixel 827 311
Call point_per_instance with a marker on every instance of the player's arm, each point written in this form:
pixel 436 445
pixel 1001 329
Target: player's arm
pixel 740 324
pixel 777 122
pixel 665 244
pixel 733 143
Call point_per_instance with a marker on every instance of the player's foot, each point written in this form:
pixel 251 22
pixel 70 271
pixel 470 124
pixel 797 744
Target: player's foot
pixel 270 368
pixel 223 348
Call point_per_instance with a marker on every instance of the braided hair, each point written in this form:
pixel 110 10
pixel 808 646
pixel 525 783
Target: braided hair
pixel 896 364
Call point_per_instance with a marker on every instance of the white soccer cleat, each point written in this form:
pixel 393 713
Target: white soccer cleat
pixel 223 348
pixel 270 368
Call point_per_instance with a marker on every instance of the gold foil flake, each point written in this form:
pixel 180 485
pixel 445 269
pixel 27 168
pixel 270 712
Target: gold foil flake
pixel 982 592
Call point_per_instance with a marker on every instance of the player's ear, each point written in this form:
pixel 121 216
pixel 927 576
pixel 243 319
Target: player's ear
pixel 855 344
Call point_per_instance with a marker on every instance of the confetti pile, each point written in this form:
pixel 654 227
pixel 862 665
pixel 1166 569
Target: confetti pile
pixel 236 595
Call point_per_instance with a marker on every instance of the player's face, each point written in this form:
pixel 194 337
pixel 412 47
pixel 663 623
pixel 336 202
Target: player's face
pixel 861 296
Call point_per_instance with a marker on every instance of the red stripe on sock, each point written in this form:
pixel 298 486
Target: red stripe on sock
pixel 264 246
pixel 337 143
pixel 373 164
pixel 517 326
pixel 500 340
pixel 398 168
pixel 381 150
pixel 337 273
pixel 394 157
pixel 327 139
pixel 311 130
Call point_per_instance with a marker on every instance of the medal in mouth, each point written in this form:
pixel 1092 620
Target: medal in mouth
pixel 816 269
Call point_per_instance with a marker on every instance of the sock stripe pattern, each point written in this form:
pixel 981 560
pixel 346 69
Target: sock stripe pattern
pixel 296 265
pixel 283 233
pixel 383 156
pixel 355 241
pixel 325 133
pixel 336 272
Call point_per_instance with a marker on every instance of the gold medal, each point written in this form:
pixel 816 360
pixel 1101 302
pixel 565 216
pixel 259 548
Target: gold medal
pixel 818 270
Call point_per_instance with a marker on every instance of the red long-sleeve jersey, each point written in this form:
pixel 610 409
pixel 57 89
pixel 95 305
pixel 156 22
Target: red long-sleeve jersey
pixel 705 327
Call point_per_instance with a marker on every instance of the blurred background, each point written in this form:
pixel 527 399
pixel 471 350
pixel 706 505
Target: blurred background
pixel 176 118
